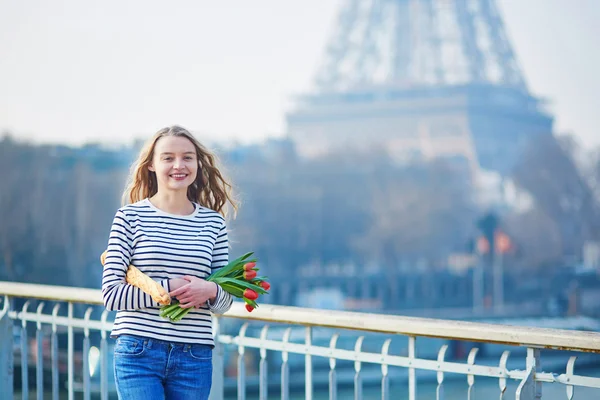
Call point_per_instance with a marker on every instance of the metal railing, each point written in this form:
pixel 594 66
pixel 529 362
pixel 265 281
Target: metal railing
pixel 276 328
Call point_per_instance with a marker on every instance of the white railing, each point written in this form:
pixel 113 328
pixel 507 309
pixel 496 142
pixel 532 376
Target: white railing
pixel 58 311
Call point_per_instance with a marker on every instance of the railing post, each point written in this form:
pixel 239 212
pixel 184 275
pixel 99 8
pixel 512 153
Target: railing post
pixel 285 367
pixel 529 388
pixel 6 353
pixel 263 370
pixel 412 377
pixel 39 355
pixel 217 391
pixel 308 369
pixel 54 353
pixel 70 360
pixel 103 358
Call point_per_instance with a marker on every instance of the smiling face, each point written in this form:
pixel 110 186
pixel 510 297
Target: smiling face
pixel 175 163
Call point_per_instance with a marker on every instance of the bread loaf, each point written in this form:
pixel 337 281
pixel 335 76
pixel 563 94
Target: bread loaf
pixel 137 278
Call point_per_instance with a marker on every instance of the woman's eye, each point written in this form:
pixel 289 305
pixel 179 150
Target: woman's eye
pixel 168 158
pixel 189 158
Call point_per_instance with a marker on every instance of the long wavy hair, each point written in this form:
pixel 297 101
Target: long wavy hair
pixel 210 189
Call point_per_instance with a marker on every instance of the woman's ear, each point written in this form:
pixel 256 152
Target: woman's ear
pixel 151 167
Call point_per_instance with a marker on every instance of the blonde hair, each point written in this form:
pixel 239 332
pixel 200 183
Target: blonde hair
pixel 210 189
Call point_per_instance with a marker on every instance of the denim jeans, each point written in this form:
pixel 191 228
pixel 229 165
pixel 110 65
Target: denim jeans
pixel 150 369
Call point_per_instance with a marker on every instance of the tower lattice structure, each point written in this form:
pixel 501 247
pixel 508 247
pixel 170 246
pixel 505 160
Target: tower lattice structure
pixel 420 78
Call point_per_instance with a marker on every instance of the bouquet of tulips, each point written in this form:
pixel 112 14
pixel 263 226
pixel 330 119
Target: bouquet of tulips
pixel 239 278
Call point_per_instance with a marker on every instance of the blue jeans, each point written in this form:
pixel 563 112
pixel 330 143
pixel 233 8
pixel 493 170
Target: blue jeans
pixel 150 369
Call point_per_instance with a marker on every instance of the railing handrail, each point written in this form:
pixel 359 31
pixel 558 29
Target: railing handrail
pixel 381 323
pixel 51 292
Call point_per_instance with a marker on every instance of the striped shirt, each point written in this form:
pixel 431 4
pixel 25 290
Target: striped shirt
pixel 163 246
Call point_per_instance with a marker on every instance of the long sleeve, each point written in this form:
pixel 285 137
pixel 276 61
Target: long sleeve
pixel 220 258
pixel 116 292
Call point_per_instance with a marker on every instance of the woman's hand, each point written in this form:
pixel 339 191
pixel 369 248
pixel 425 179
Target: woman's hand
pixel 195 292
pixel 176 283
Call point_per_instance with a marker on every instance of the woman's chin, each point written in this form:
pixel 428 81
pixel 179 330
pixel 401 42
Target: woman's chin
pixel 177 186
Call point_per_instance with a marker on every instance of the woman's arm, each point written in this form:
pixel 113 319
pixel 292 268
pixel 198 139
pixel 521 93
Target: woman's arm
pixel 222 301
pixel 116 292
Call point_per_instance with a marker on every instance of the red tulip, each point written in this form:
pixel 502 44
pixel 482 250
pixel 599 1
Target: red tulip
pixel 265 285
pixel 249 274
pixel 250 294
pixel 249 308
pixel 249 266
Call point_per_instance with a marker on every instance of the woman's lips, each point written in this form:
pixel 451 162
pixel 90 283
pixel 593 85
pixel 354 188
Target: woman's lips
pixel 178 177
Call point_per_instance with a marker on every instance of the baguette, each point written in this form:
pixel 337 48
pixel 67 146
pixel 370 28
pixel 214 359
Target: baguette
pixel 137 278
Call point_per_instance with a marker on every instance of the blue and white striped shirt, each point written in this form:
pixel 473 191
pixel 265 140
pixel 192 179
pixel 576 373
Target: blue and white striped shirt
pixel 163 246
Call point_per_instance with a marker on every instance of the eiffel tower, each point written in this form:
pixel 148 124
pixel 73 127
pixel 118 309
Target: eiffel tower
pixel 420 79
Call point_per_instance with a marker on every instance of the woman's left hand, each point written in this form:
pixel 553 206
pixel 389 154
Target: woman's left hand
pixel 195 293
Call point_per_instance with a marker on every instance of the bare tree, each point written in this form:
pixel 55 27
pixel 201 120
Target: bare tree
pixel 550 174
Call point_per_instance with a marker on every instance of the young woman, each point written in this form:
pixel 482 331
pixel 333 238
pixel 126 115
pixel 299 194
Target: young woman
pixel 172 229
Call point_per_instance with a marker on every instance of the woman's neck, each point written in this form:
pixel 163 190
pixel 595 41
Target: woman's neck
pixel 174 203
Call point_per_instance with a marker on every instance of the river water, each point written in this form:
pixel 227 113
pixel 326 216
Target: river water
pixel 484 389
pixel 455 389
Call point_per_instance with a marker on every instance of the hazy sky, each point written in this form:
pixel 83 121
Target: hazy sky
pixel 75 71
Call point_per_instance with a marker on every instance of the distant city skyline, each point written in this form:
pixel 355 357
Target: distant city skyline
pixel 111 72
